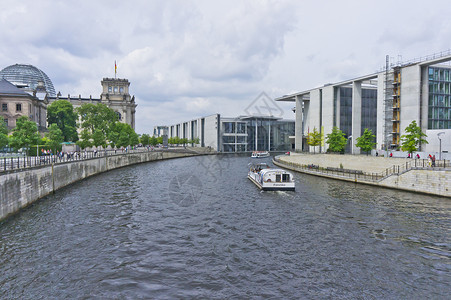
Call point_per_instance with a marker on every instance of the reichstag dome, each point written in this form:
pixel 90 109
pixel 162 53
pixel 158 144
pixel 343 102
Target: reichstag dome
pixel 27 76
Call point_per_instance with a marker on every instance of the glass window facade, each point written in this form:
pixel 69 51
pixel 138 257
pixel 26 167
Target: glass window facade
pixel 439 106
pixel 254 134
pixel 18 107
pixel 4 106
pixel 228 127
pixel 346 111
pixel 369 110
pixel 241 127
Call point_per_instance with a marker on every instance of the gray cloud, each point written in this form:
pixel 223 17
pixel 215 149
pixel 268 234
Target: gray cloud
pixel 185 59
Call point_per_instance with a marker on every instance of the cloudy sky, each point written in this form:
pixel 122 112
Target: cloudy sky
pixel 187 59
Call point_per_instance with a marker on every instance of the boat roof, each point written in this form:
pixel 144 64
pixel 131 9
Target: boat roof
pixel 264 171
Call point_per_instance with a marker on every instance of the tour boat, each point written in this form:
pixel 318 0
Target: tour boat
pixel 260 154
pixel 269 179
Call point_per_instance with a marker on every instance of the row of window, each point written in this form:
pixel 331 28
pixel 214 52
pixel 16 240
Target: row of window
pixel 439 112
pixel 115 89
pixel 230 139
pixel 5 107
pixel 234 127
pixel 439 74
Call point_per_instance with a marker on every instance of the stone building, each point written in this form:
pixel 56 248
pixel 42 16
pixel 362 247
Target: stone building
pixel 15 102
pixel 27 90
pixel 115 95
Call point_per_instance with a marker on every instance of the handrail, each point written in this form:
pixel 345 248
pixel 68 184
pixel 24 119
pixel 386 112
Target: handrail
pixel 26 162
pixel 375 176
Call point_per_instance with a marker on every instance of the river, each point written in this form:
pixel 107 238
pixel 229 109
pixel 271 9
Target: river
pixel 196 228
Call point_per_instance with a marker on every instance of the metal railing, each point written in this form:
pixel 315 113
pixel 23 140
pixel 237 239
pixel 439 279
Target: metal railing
pixel 25 162
pixel 417 164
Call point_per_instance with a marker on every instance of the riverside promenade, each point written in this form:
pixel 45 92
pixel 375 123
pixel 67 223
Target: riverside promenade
pixel 415 175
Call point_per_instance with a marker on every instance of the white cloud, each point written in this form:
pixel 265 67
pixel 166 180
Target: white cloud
pixel 185 59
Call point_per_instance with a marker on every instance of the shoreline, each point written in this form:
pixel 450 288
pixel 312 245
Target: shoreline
pixel 396 173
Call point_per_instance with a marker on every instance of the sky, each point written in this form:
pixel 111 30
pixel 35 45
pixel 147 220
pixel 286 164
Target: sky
pixel 188 59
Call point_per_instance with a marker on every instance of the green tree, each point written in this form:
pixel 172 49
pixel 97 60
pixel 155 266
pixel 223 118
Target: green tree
pixel 85 139
pixel 54 137
pixel 122 135
pixel 160 140
pixel 366 141
pixel 61 113
pixel 411 141
pixel 24 134
pixel 153 141
pixel 96 121
pixel 145 139
pixel 4 140
pixel 314 138
pixel 336 140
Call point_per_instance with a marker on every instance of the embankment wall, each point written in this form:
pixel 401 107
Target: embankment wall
pixel 20 188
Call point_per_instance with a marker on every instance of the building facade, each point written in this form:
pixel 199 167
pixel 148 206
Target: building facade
pixel 33 91
pixel 240 134
pixel 115 95
pixel 14 103
pixel 385 102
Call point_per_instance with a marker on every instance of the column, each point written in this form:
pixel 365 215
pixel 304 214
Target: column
pixel 356 114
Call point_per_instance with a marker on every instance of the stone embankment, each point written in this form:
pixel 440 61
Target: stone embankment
pixel 398 173
pixel 21 187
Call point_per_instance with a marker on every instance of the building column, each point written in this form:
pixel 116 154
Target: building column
pixel 356 114
pixel 298 128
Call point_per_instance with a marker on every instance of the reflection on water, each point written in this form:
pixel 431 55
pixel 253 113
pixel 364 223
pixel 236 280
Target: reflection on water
pixel 171 229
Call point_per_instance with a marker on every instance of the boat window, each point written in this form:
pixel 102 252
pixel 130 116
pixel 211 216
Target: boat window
pixel 285 177
pixel 278 178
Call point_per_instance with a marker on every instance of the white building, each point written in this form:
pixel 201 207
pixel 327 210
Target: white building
pixel 386 102
pixel 240 134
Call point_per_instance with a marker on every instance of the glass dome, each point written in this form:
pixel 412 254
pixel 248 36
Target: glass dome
pixel 28 77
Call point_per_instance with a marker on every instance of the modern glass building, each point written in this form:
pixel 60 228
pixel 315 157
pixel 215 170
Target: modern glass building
pixel 27 77
pixel 251 133
pixel 240 134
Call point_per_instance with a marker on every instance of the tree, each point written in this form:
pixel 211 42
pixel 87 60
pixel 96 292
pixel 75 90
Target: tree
pixel 122 135
pixel 314 138
pixel 85 139
pixel 366 141
pixel 336 140
pixel 24 134
pixel 153 141
pixel 411 141
pixel 61 113
pixel 3 135
pixel 96 122
pixel 54 137
pixel 145 139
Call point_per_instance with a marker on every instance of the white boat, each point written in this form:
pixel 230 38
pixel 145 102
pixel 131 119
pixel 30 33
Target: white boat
pixel 269 179
pixel 260 154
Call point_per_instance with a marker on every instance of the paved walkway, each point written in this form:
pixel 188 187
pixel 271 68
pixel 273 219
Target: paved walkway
pixel 367 164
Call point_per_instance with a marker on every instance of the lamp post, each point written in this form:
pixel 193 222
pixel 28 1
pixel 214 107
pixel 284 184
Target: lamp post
pixel 439 135
pixel 37 141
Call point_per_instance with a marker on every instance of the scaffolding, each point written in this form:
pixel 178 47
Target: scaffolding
pixel 388 105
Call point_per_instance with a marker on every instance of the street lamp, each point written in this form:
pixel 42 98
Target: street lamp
pixel 439 136
pixel 37 141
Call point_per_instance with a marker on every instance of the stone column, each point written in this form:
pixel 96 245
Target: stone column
pixel 356 114
pixel 298 129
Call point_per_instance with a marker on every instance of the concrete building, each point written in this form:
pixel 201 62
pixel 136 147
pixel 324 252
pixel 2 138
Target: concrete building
pixel 385 102
pixel 240 134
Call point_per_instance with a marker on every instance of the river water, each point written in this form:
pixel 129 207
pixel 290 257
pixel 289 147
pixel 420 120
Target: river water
pixel 196 228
